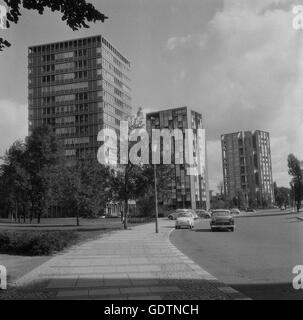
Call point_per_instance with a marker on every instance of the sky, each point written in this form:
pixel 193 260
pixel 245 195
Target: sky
pixel 238 62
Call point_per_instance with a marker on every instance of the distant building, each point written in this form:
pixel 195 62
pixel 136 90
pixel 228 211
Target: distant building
pixel 247 168
pixel 78 87
pixel 186 190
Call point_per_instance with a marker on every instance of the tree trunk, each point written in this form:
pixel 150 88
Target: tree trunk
pixel 17 213
pixel 125 214
pixel 77 218
pixel 125 197
pixel 31 213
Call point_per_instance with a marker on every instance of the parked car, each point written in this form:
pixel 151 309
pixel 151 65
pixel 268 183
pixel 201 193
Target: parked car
pixel 203 214
pixel 174 215
pixel 185 220
pixel 235 211
pixel 250 210
pixel 222 220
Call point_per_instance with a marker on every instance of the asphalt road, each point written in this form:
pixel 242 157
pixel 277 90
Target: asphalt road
pixel 257 259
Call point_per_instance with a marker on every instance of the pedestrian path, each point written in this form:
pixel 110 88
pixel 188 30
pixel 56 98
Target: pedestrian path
pixel 133 264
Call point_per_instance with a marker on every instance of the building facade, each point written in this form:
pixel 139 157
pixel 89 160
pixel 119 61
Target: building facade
pixel 247 168
pixel 187 188
pixel 78 87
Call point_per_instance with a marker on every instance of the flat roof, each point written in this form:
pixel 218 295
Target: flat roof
pixel 77 39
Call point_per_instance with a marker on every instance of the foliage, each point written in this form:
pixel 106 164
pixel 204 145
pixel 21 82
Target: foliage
pixel 282 196
pixel 146 203
pixel 129 181
pixel 76 13
pixel 296 183
pixel 84 187
pixel 35 243
pixel 14 183
pixel 24 174
pixel 42 152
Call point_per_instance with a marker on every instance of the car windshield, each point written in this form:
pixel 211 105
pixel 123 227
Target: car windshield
pixel 221 213
pixel 185 214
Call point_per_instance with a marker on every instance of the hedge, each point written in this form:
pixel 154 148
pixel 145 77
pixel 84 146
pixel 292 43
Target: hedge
pixel 35 243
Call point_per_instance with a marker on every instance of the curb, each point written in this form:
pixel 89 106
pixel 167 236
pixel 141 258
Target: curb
pixel 234 294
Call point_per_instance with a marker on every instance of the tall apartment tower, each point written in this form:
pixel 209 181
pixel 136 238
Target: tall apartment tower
pixel 186 190
pixel 78 87
pixel 247 168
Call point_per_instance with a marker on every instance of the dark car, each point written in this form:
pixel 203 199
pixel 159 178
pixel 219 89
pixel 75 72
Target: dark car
pixel 222 220
pixel 250 210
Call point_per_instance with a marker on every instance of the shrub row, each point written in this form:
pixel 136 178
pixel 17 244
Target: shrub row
pixel 35 243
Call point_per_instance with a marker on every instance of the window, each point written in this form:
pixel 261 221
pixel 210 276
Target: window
pixel 64 66
pixel 64 55
pixel 64 98
pixel 64 76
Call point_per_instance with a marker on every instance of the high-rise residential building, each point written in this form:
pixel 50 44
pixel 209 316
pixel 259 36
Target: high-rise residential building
pixel 78 87
pixel 187 188
pixel 247 168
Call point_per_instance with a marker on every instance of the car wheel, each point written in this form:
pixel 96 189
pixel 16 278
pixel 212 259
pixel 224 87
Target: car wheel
pixel 232 229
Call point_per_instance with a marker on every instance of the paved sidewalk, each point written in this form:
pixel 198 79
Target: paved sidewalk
pixel 131 264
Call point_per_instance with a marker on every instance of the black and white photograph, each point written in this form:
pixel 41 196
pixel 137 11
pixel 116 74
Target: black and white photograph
pixel 151 150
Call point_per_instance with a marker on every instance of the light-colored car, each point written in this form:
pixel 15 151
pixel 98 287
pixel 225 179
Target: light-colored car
pixel 175 214
pixel 185 220
pixel 235 211
pixel 222 220
pixel 203 214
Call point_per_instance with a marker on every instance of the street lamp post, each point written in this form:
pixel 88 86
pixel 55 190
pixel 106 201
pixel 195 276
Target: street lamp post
pixel 183 195
pixel 156 198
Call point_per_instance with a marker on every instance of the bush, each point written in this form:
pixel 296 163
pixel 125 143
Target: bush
pixel 35 243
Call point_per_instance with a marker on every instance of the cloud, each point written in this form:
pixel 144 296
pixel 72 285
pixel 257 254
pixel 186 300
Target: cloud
pixel 248 75
pixel 13 123
pixel 185 41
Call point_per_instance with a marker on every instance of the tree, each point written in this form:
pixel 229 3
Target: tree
pixel 76 13
pixel 15 185
pixel 83 189
pixel 42 152
pixel 296 183
pixel 130 182
pixel 282 196
pixel 220 187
